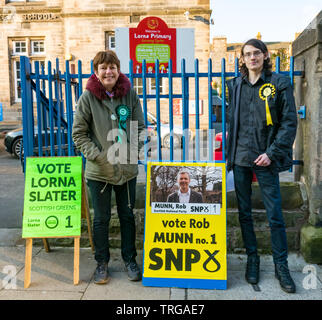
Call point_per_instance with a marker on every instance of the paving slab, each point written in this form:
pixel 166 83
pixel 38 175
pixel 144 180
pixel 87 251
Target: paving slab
pixel 120 288
pixel 53 271
pixel 10 237
pixel 12 262
pixel 239 289
pixel 39 295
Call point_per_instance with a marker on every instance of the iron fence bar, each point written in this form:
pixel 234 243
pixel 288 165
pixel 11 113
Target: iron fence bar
pixel 80 78
pixel 157 91
pixel 291 74
pixel 51 111
pixel 185 110
pixel 27 109
pixel 145 111
pixel 39 111
pixel 69 110
pixel 44 109
pixel 210 133
pixel 223 107
pixel 131 72
pixel 277 65
pixel 197 136
pixel 59 115
pixel 171 107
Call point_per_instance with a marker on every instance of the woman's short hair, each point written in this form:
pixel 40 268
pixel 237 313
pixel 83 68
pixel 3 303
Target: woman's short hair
pixel 262 47
pixel 107 57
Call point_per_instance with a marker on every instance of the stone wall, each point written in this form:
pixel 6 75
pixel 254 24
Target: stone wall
pixel 307 50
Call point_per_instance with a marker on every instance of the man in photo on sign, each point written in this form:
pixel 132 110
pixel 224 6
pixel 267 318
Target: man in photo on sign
pixel 261 131
pixel 185 194
pixel 109 106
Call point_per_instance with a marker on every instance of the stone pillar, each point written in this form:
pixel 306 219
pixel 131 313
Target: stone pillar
pixel 307 51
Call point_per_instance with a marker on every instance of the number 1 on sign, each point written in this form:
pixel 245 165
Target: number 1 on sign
pixel 68 222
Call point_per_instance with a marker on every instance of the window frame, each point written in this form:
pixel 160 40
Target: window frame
pixel 16 80
pixel 32 52
pixel 15 61
pixel 110 43
pixel 14 47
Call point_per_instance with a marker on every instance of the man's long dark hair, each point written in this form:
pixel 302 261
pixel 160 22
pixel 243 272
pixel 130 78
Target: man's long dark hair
pixel 262 47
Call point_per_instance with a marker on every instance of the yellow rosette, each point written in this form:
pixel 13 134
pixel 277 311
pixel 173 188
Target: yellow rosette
pixel 265 91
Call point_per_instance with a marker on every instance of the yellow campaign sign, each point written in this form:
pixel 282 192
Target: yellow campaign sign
pixel 185 225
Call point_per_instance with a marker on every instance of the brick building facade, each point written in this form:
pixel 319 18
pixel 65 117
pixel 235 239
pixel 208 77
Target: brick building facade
pixel 76 30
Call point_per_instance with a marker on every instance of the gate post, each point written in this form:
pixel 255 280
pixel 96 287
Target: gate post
pixel 27 108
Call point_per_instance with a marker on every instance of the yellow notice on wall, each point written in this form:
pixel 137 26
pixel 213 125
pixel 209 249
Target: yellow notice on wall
pixel 185 225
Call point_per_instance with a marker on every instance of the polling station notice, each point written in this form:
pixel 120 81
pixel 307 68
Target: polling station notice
pixel 52 198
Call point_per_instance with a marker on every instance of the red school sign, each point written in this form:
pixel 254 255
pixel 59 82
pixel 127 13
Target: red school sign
pixel 152 40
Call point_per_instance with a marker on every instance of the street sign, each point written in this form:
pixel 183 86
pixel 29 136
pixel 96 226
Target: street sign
pixel 185 231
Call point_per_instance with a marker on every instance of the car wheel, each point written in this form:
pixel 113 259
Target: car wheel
pixel 16 147
pixel 176 141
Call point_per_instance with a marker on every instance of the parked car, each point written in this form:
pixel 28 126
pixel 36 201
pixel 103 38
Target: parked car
pixel 165 132
pixel 13 141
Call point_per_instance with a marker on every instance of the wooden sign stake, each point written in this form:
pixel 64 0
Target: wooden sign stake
pixel 28 263
pixel 76 260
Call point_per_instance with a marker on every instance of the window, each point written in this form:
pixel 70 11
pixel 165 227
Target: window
pixel 150 86
pixel 19 47
pixel 37 47
pixel 138 85
pixel 110 40
pixel 34 49
pixel 17 80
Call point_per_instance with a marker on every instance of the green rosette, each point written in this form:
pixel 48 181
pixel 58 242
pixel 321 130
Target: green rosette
pixel 123 112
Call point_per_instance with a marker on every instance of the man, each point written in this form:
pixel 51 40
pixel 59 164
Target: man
pixel 185 194
pixel 261 131
pixel 108 108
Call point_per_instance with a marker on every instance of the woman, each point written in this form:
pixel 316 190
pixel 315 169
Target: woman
pixel 102 127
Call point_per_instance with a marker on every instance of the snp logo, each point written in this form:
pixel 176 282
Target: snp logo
pixel 310 281
pixel 10 280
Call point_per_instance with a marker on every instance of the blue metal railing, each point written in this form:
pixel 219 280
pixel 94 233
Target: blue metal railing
pixel 56 95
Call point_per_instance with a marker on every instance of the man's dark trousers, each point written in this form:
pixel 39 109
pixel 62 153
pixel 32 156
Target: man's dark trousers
pixel 269 185
pixel 102 215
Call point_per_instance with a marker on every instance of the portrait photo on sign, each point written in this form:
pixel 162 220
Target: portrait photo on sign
pixel 186 189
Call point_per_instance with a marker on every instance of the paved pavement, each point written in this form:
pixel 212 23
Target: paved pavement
pixel 52 279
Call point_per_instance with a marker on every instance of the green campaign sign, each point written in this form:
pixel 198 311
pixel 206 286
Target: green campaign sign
pixel 53 194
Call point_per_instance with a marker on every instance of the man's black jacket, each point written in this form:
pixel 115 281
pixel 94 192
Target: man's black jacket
pixel 277 138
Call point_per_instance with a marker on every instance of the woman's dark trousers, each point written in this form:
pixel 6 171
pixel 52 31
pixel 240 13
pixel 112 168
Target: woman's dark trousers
pixel 101 199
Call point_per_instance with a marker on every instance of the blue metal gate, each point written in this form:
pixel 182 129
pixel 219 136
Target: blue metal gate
pixel 56 94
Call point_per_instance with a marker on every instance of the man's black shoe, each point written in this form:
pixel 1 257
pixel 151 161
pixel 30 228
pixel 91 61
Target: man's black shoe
pixel 282 273
pixel 101 275
pixel 252 269
pixel 133 271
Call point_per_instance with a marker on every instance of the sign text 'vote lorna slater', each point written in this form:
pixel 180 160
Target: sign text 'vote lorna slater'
pixel 52 201
pixel 42 183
